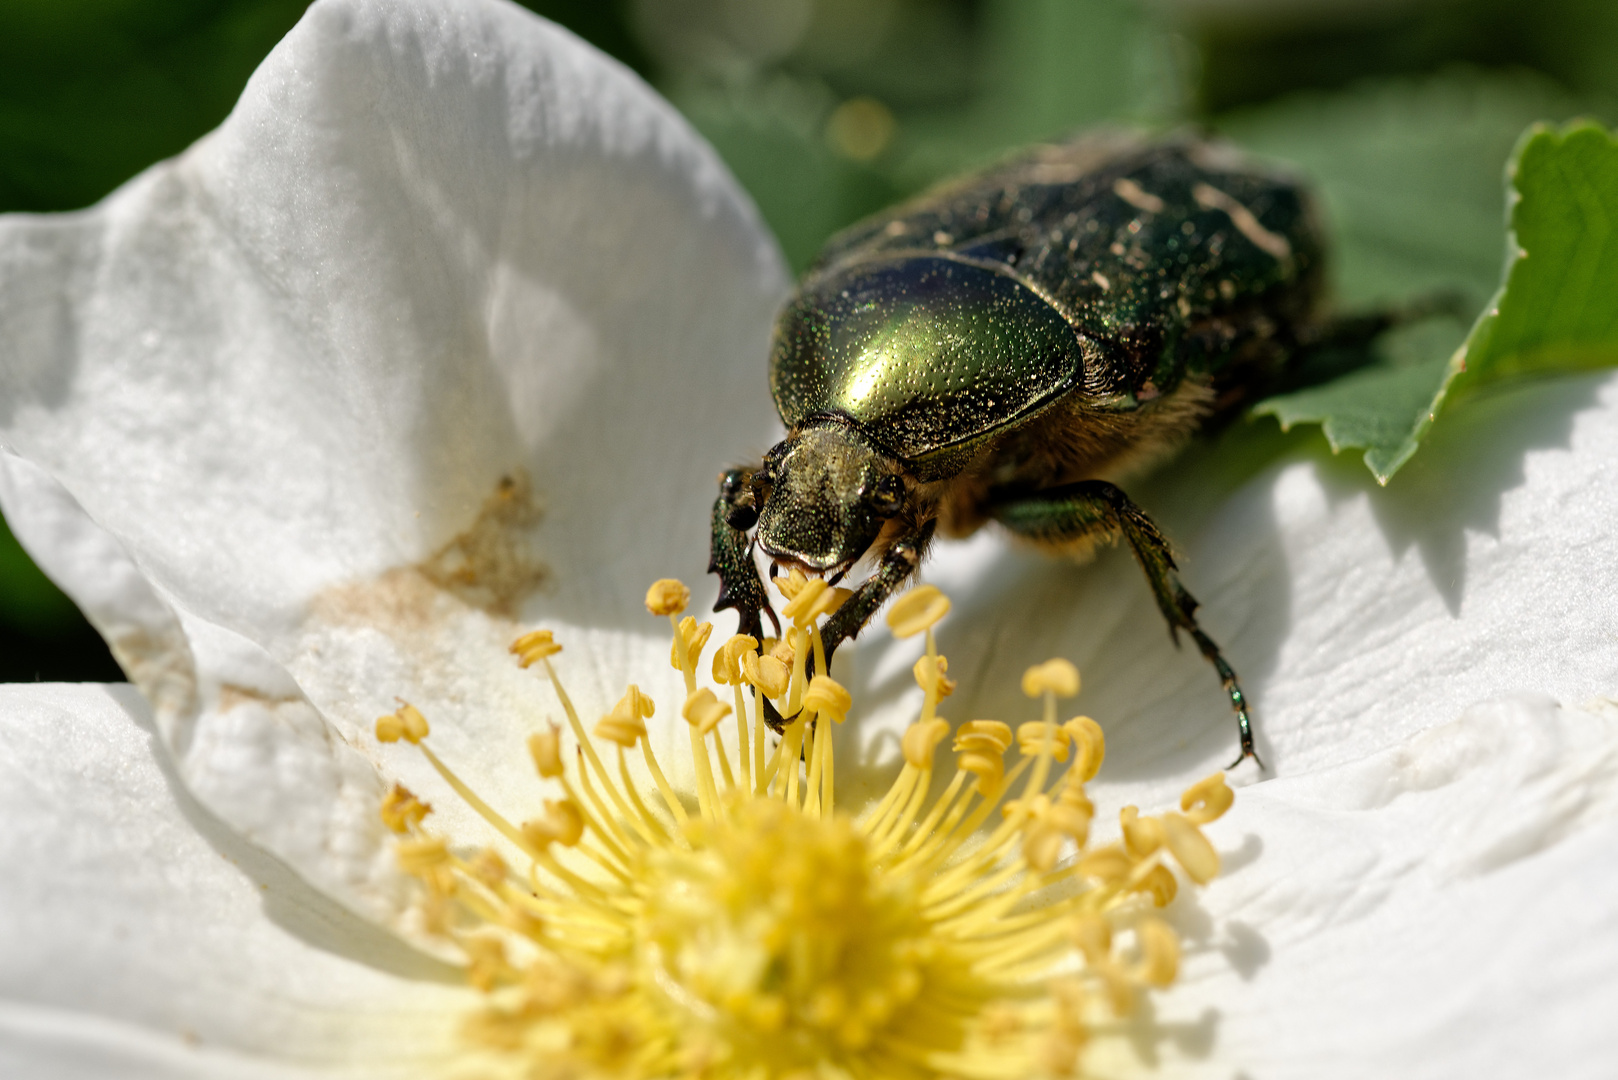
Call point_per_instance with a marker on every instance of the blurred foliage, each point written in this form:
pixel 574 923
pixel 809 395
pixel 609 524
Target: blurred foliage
pixel 1403 110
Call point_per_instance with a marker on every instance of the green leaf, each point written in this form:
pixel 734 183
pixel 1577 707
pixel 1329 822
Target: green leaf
pixel 1557 309
pixel 1553 312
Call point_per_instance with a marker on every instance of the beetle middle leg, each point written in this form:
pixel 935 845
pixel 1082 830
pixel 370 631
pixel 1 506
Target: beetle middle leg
pixel 1096 511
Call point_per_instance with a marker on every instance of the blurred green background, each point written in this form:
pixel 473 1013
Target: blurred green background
pixel 826 110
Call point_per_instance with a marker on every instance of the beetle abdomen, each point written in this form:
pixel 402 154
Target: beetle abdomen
pixel 1169 256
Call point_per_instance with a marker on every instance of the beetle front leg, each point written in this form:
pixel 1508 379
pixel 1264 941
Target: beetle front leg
pixel 897 565
pixel 730 555
pixel 1096 511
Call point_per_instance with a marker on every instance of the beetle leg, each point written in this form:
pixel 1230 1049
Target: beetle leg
pixel 731 556
pixel 1096 511
pixel 897 565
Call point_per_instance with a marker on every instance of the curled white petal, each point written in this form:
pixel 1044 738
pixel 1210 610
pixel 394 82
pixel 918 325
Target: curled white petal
pixel 142 938
pixel 1435 910
pixel 445 331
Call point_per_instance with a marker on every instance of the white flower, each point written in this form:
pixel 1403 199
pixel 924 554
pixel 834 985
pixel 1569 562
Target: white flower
pixel 255 413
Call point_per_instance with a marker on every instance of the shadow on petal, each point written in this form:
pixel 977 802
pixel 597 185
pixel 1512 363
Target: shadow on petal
pixel 290 902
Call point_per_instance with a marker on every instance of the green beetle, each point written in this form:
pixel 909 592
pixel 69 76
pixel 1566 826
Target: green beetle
pixel 1000 348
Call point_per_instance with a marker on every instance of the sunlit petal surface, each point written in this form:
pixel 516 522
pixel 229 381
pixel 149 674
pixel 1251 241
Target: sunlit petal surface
pixel 142 939
pixel 452 319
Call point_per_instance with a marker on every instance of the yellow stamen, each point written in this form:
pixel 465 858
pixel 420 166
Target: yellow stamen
pixel 774 937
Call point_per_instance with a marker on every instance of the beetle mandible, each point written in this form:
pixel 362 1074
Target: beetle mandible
pixel 1002 347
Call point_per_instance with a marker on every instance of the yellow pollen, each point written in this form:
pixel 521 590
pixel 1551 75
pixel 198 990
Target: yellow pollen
pixel 748 929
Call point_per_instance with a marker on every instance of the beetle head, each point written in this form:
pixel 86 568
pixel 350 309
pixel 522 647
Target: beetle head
pixel 829 491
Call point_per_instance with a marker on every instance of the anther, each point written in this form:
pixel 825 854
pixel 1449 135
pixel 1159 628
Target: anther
pixel 626 723
pixel 1053 676
pixel 801 609
pixel 545 747
pixel 1091 934
pixel 986 764
pixel 792 584
pixel 407 724
pixel 1207 799
pixel 401 810
pixel 769 673
pixel 1092 746
pixel 489 868
pixel 1142 835
pixel 1109 865
pixel 703 711
pixel 1032 738
pixel 917 610
pixel 1157 881
pixel 1190 848
pixel 563 823
pixel 667 596
pixel 931 675
pixel 990 735
pixel 422 854
pixel 1160 953
pixel 533 647
pixel 727 659
pixel 826 697
pixel 696 638
pixel 921 740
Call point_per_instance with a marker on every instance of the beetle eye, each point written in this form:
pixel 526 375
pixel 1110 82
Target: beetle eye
pixel 888 493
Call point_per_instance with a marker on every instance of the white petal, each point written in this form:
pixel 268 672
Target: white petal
pixel 139 937
pixel 1356 616
pixel 1439 909
pixel 258 398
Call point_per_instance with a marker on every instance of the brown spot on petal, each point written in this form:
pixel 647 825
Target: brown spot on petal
pixel 492 564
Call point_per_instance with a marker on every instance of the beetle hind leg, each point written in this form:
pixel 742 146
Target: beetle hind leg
pixel 1094 511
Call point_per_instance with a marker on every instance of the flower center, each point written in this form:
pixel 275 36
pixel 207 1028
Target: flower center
pixel 764 935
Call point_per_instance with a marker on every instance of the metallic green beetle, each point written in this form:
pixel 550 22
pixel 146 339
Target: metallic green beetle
pixel 1000 348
